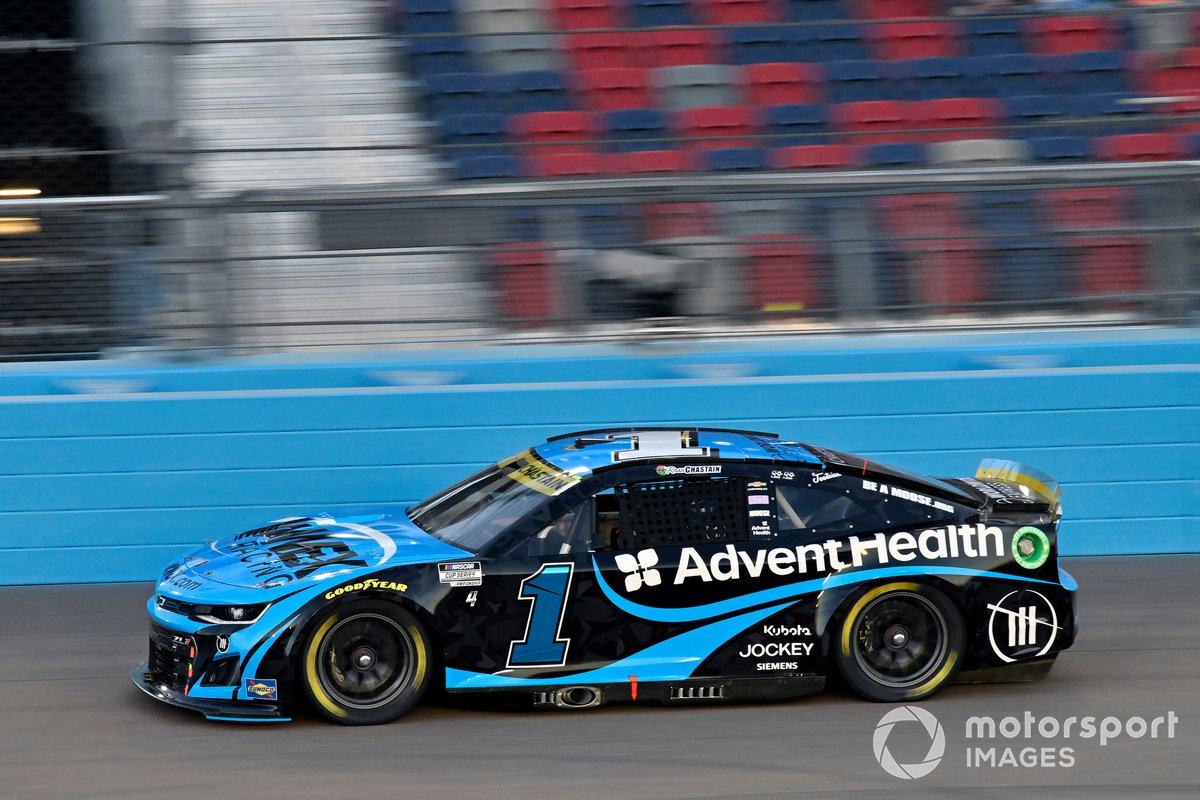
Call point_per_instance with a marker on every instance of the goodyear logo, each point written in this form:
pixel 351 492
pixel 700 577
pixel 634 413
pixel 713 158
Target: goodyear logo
pixel 264 689
pixel 369 583
pixel 542 476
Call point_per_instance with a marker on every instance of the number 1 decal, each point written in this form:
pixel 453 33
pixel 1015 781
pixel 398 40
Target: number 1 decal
pixel 542 646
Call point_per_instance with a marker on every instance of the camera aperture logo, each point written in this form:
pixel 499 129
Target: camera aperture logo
pixel 1021 741
pixel 923 720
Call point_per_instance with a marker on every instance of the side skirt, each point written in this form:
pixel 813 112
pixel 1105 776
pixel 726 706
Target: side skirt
pixel 1019 672
pixel 691 691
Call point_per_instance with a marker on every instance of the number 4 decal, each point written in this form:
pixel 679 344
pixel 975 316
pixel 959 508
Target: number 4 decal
pixel 543 646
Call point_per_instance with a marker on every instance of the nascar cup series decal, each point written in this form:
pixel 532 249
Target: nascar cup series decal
pixel 461 573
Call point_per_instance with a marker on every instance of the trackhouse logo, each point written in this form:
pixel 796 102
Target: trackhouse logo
pixel 1020 622
pixel 732 564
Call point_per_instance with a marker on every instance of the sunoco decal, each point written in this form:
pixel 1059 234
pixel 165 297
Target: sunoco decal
pixel 262 688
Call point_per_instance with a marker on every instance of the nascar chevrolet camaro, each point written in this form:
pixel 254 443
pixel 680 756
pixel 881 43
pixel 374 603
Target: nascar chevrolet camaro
pixel 625 565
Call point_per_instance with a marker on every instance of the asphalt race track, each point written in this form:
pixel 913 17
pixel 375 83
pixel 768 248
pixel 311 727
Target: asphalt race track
pixel 73 725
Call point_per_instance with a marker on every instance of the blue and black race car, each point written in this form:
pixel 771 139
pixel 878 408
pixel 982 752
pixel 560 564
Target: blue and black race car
pixel 647 565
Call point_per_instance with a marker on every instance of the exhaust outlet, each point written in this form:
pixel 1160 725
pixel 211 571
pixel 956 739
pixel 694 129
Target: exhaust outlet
pixel 577 697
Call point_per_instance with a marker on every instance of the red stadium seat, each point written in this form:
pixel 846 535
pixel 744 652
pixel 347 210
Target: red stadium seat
pixel 712 125
pixel 1051 35
pixel 947 273
pixel 579 15
pixel 1109 265
pixel 552 127
pixel 1141 147
pixel 677 47
pixel 813 156
pixel 957 118
pixel 555 163
pixel 779 84
pixel 1091 207
pixel 878 120
pixel 588 51
pixel 898 41
pixel 738 12
pixel 784 274
pixel 924 214
pixel 644 162
pixel 1180 79
pixel 898 9
pixel 678 220
pixel 615 88
pixel 523 277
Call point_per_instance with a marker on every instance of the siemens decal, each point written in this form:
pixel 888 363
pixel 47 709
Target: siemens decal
pixel 954 541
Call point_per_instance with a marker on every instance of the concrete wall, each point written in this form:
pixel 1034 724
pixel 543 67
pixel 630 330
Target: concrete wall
pixel 106 472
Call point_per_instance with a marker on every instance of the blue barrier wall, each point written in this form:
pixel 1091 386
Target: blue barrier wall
pixel 107 472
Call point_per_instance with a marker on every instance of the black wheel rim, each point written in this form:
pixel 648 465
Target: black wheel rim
pixel 366 660
pixel 900 639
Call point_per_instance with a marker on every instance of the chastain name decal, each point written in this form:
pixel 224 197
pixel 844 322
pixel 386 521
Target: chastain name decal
pixel 691 469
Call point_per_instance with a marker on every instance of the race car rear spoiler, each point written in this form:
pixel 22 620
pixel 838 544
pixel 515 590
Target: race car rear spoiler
pixel 1030 482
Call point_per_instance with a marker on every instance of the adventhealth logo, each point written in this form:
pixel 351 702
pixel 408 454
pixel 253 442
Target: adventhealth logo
pixel 639 570
pixel 732 564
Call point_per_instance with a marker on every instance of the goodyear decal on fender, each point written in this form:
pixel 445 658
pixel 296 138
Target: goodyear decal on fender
pixel 262 689
pixel 542 476
pixel 369 583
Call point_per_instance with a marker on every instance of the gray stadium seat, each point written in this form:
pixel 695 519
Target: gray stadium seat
pixel 695 86
pixel 978 152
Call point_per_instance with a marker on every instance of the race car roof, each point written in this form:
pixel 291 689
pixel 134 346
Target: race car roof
pixel 584 452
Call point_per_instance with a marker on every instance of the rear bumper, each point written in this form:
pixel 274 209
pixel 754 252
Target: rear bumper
pixel 224 710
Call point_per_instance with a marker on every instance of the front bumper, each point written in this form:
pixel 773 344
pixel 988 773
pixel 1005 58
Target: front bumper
pixel 225 710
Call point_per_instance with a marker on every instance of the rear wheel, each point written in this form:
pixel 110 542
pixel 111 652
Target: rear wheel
pixel 366 663
pixel 900 641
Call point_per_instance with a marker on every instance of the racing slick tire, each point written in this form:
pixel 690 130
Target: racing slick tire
pixel 366 663
pixel 899 642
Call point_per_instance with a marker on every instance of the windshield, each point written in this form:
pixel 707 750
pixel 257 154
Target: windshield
pixel 472 513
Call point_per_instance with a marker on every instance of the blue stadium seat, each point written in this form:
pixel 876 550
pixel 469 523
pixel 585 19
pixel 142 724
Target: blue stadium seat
pixel 429 16
pixel 480 167
pixel 799 124
pixel 1027 270
pixel 855 81
pixel 1119 112
pixel 726 159
pixel 894 154
pixel 538 90
pixel 435 54
pixel 1060 148
pixel 1006 75
pixel 1006 212
pixel 829 43
pixel 449 93
pixel 759 45
pixel 1093 72
pixel 938 78
pixel 660 13
pixel 1036 110
pixel 605 225
pixel 627 126
pixel 994 37
pixel 816 10
pixel 476 134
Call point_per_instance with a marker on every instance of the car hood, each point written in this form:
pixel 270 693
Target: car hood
pixel 289 553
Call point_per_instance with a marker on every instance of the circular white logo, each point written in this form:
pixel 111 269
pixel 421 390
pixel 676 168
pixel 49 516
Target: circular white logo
pixel 931 726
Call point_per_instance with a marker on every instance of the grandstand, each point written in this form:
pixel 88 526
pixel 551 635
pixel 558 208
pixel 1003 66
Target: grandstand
pixel 334 172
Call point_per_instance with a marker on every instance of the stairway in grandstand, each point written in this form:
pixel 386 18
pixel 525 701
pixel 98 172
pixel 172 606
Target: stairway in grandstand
pixel 295 92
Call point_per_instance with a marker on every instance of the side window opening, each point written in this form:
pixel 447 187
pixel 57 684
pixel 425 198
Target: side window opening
pixel 680 511
pixel 842 504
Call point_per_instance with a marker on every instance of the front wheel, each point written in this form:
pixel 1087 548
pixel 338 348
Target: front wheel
pixel 366 663
pixel 900 641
